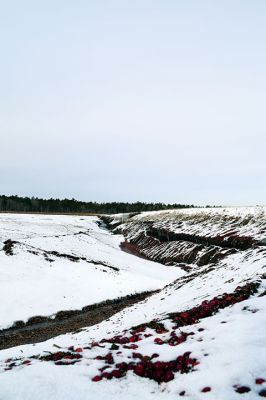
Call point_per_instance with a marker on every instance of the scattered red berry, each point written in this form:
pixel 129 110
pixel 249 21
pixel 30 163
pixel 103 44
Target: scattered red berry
pixel 158 341
pixel 243 389
pixel 259 381
pixel 206 389
pixel 97 378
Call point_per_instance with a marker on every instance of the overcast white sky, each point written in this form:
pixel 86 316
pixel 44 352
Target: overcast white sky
pixel 154 100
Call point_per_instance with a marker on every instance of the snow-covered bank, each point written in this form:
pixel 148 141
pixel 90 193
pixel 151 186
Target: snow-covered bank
pixel 230 349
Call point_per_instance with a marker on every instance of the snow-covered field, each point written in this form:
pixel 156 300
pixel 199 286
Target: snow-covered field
pixel 212 347
pixel 34 282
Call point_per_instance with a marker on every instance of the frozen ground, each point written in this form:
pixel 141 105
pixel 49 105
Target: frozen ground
pixel 227 343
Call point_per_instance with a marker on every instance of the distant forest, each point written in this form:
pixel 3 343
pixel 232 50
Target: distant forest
pixel 34 204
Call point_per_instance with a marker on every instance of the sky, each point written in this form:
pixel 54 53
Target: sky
pixel 149 100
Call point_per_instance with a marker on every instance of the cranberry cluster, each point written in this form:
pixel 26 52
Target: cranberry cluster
pixel 137 334
pixel 63 357
pixel 174 339
pixel 211 307
pixel 164 371
pixel 120 339
pixel 159 371
pixel 146 366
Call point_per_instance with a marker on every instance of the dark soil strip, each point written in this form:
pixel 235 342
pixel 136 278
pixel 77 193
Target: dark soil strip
pixel 230 240
pixel 233 241
pixel 73 258
pixel 9 245
pixel 39 329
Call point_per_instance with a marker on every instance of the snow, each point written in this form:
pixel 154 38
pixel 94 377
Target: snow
pixel 31 285
pixel 245 221
pixel 231 349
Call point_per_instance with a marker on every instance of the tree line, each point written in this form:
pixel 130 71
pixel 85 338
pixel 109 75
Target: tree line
pixel 34 204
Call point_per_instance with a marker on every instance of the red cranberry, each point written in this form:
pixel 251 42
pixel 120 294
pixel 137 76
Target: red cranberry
pixel 97 378
pixel 169 376
pixel 158 341
pixel 107 375
pixel 122 366
pixel 243 389
pixel 157 375
pixel 117 373
pixel 79 350
pixel 139 370
pixel 259 381
pixel 206 389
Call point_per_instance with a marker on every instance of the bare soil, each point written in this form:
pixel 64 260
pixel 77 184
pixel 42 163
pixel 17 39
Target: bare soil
pixel 38 329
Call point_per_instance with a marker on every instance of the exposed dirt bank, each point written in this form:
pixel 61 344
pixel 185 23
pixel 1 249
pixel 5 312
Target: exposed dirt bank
pixel 181 249
pixel 38 329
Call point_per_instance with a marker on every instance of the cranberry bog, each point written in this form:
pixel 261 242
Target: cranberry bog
pixel 199 336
